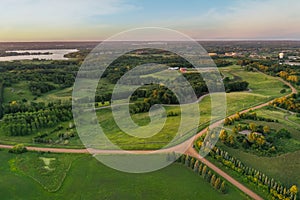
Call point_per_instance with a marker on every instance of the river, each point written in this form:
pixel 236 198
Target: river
pixel 55 54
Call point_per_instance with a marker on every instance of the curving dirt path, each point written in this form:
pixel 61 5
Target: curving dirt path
pixel 187 146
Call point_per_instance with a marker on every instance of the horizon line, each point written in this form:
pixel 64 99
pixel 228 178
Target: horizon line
pixel 205 40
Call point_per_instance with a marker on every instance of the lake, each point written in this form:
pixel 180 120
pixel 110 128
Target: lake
pixel 55 54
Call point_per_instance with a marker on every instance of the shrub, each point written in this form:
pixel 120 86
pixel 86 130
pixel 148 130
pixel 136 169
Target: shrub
pixel 18 149
pixel 283 91
pixel 283 133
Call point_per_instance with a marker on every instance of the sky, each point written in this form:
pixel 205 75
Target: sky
pixel 72 20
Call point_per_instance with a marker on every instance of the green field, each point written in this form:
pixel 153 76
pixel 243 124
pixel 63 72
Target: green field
pixel 17 91
pixel 65 176
pixel 259 83
pixel 63 94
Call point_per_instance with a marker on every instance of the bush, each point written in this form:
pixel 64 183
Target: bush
pixel 18 149
pixel 283 91
pixel 283 133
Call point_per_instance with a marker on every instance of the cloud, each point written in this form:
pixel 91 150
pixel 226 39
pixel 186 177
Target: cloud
pixel 47 13
pixel 247 19
pixel 268 18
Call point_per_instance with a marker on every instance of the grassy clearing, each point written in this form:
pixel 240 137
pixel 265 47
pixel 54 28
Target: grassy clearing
pixel 59 94
pixel 89 179
pixel 163 75
pixel 283 123
pixel 17 91
pixel 259 83
pixel 117 136
pixel 21 91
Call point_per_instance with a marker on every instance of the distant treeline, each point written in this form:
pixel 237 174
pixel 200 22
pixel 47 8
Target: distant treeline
pixel 12 53
pixel 43 76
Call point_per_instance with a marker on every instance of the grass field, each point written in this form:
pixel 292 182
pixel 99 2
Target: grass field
pixel 259 83
pixel 163 75
pixel 17 91
pixel 82 177
pixel 63 94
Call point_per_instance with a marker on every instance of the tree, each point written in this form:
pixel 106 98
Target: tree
pixel 212 180
pixel 294 190
pixel 284 191
pixel 227 121
pixel 252 137
pixel 183 158
pixel 187 161
pixel 196 166
pixel 282 91
pixel 223 187
pixel 293 78
pixel 252 127
pixel 208 176
pixel 223 135
pixel 260 140
pixel 192 162
pixel 235 131
pixel 217 183
pixel 18 149
pixel 204 171
pixel 266 129
pixel 283 133
pixel 230 140
pixel 283 74
pixel 245 144
pixel 200 169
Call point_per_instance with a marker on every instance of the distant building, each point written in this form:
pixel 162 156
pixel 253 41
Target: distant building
pixel 212 54
pixel 280 55
pixel 292 63
pixel 182 69
pixel 173 68
pixel 293 57
pixel 230 54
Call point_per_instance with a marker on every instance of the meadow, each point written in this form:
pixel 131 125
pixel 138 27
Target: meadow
pixel 17 91
pixel 67 176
